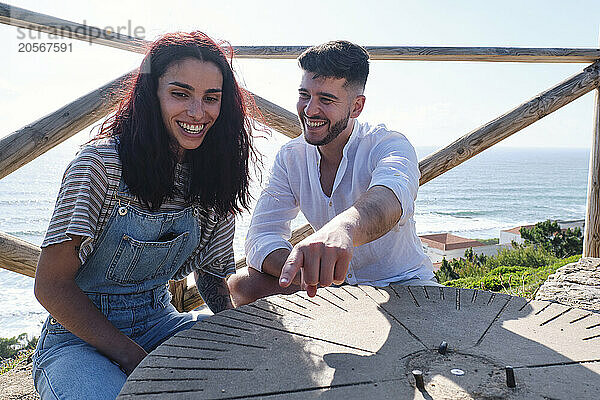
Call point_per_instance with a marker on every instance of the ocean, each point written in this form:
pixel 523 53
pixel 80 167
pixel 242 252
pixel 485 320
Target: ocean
pixel 500 188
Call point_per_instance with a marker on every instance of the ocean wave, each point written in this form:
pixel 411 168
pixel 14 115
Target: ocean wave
pixel 464 213
pixel 16 202
pixel 28 235
pixel 436 223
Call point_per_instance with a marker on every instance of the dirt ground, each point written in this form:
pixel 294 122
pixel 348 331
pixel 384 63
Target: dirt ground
pixel 17 384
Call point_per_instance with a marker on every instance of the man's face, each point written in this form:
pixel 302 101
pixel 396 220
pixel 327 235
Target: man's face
pixel 325 106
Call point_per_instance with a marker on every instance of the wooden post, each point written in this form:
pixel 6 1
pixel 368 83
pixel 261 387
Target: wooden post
pixel 33 140
pixel 178 289
pixel 591 238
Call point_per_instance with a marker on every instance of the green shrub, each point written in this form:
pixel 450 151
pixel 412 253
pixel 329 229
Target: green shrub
pixel 446 272
pixel 489 241
pixel 508 270
pixel 550 237
pixel 10 347
pixel 516 280
pixel 525 256
pixel 467 283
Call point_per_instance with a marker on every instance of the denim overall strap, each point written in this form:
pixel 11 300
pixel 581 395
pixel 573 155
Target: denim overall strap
pixel 139 249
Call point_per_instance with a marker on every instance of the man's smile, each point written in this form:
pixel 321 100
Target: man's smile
pixel 314 123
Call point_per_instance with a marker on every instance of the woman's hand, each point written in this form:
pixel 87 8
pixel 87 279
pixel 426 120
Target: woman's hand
pixel 130 361
pixel 56 290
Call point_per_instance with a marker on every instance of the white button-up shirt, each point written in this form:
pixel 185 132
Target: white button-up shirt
pixel 373 156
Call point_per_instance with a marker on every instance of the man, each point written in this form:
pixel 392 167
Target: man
pixel 356 185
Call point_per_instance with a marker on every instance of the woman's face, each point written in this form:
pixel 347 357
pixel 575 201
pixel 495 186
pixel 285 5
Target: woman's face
pixel 189 93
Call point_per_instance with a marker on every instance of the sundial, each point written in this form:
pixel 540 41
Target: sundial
pixel 398 342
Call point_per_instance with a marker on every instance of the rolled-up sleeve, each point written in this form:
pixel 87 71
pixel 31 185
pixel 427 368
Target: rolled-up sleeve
pixel 270 227
pixel 395 166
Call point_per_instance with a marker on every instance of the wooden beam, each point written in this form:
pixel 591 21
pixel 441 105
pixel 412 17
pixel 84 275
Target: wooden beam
pixel 513 121
pixel 428 53
pixel 177 289
pixel 591 235
pixel 33 140
pixel 18 255
pixel 27 19
pixel 279 118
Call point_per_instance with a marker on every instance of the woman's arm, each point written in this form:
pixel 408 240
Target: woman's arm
pixel 56 290
pixel 214 291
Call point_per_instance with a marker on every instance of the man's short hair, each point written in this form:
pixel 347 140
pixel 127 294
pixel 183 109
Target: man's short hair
pixel 337 59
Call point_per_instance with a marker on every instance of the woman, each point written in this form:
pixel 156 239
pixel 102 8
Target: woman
pixel 151 199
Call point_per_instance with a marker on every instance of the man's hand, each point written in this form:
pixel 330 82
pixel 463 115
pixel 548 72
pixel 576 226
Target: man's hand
pixel 322 258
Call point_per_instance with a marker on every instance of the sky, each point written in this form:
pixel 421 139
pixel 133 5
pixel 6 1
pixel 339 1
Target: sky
pixel 432 103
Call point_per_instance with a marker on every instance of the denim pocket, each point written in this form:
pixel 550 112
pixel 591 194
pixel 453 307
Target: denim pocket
pixel 53 333
pixel 136 261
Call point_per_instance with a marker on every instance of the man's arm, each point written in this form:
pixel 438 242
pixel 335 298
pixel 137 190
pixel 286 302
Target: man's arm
pixel 213 290
pixel 373 215
pixel 325 255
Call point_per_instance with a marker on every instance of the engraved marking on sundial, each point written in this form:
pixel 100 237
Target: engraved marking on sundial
pixel 332 303
pixel 496 318
pixel 226 326
pixel 294 303
pixel 265 310
pixel 287 309
pixel 556 317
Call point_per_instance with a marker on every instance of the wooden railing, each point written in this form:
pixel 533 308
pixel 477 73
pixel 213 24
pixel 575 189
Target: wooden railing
pixel 31 141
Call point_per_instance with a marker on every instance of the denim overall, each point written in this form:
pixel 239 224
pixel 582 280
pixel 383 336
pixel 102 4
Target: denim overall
pixel 125 277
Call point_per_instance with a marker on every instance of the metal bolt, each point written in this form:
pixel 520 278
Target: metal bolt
pixel 443 348
pixel 510 377
pixel 418 374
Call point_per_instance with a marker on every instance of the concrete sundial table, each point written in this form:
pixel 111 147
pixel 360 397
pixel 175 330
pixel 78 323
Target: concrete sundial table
pixel 360 342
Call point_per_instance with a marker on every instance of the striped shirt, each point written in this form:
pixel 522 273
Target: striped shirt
pixel 88 195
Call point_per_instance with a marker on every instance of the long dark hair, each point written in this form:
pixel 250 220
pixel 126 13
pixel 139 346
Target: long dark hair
pixel 219 167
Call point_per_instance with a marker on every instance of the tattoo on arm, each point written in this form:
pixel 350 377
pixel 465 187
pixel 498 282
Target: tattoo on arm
pixel 214 291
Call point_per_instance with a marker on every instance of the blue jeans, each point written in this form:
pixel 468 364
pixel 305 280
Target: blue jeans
pixel 66 367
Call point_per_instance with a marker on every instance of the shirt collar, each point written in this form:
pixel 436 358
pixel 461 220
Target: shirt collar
pixel 351 139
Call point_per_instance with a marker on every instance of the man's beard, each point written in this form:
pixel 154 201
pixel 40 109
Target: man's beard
pixel 333 132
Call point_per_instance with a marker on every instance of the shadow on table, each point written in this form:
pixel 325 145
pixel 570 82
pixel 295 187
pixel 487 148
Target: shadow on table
pixel 544 342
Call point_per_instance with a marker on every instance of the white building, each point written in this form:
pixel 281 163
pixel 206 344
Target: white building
pixel 507 236
pixel 446 245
